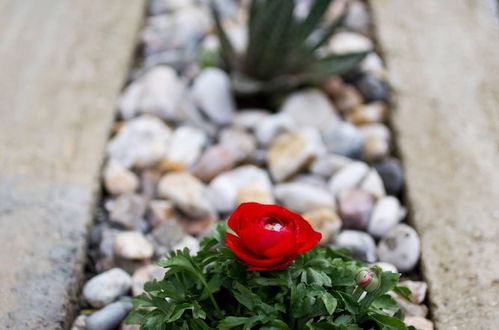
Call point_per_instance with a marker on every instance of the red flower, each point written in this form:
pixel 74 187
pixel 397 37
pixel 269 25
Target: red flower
pixel 269 236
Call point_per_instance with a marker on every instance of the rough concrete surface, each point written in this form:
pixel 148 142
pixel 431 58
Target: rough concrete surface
pixel 443 58
pixel 62 65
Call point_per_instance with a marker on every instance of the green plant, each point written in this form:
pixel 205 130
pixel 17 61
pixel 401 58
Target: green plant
pixel 283 51
pixel 321 289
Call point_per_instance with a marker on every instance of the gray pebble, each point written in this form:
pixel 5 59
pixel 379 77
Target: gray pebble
pixel 109 317
pixel 355 208
pixel 392 174
pixel 401 247
pixel 106 287
pixel 344 139
pixel 360 244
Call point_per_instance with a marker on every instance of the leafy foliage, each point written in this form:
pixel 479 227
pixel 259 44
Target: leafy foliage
pixel 283 51
pixel 213 290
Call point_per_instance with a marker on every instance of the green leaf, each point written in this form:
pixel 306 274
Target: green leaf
pixel 385 302
pixel 231 322
pixel 403 291
pixel 388 322
pixel 246 297
pixel 329 301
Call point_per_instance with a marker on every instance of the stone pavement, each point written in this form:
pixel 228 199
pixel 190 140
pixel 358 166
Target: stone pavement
pixel 63 64
pixel 443 59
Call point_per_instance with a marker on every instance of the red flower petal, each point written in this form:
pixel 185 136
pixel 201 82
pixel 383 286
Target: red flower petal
pixel 234 243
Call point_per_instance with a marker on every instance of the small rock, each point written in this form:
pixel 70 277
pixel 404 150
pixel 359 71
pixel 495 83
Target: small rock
pixel 385 216
pixel 79 322
pixel 311 179
pixel 271 126
pixel 255 192
pixel 418 322
pixel 344 139
pixel 132 245
pixel 186 145
pixel 373 184
pixel 141 142
pixel 348 177
pixel 372 88
pixel 240 142
pixel 409 308
pixel 310 107
pixel 124 326
pixel 109 317
pixel 212 92
pixel 418 290
pixel 386 267
pixel 149 179
pixel 355 208
pixel 375 112
pixel 127 210
pixel 327 165
pixel 357 17
pixel 225 188
pixel 392 174
pixel 118 179
pixel 159 92
pixel 249 119
pixel 302 197
pixel 378 139
pixel 290 152
pixel 401 247
pixel 215 160
pixel 349 42
pixel 104 288
pixel 159 6
pixel 161 211
pixel 360 244
pixel 345 97
pixel 325 221
pixel 106 248
pixel 187 193
pixel 180 29
pixel 166 236
pixel 373 64
pixel 188 242
pixel 195 227
pixel 146 274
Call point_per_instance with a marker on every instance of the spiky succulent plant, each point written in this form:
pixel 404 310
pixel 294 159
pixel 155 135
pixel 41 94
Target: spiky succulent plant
pixel 283 50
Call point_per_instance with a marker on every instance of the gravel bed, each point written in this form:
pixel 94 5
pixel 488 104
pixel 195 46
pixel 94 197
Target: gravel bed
pixel 183 155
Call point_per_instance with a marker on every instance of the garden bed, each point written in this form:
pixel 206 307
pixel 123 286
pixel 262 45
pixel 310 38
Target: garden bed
pixel 185 152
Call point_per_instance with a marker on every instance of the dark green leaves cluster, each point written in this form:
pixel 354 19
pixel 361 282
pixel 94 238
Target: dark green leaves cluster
pixel 283 50
pixel 213 290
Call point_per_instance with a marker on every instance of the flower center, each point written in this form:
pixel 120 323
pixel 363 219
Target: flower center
pixel 270 223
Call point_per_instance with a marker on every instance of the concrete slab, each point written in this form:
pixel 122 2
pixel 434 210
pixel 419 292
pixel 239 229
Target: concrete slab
pixel 62 64
pixel 443 60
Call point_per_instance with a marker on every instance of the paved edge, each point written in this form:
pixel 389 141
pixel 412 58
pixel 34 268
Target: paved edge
pixel 444 67
pixel 63 64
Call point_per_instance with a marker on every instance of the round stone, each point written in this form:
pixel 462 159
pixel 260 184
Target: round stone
pixel 215 160
pixel 348 176
pixel 118 179
pixel 109 317
pixel 372 88
pixel 385 216
pixel 302 197
pixel 361 245
pixel 344 139
pixel 106 287
pixel 133 245
pixel 392 174
pixel 145 274
pixel 355 208
pixel 401 247
pixel 325 221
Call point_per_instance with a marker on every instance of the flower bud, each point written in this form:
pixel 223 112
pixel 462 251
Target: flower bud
pixel 367 279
